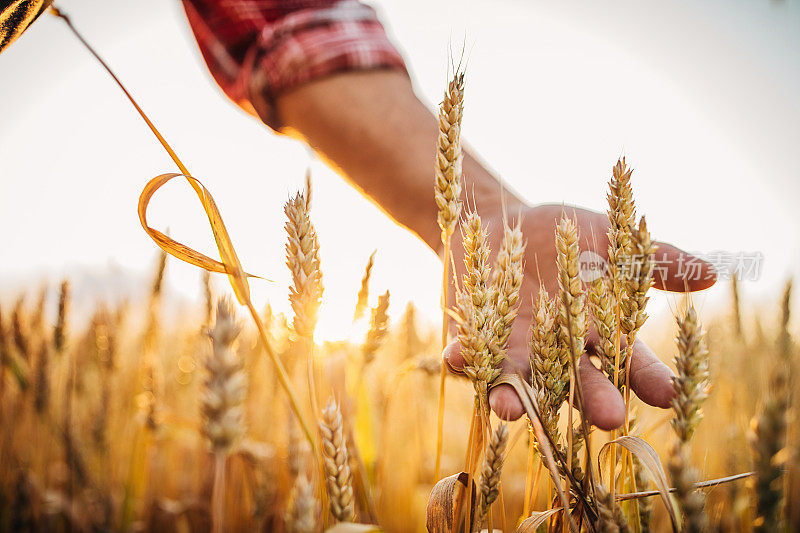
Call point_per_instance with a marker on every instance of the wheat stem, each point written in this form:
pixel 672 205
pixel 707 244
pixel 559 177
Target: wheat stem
pixel 282 376
pixel 218 494
pixel 443 371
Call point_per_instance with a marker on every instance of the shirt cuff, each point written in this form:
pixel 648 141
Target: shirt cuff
pixel 313 43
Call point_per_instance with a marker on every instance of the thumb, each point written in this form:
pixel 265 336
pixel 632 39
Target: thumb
pixel 678 271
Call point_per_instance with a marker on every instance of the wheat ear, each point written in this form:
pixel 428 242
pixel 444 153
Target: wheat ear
pixel 336 466
pixel 42 383
pixel 572 312
pixel 18 332
pixel 302 258
pixel 610 518
pixel 301 516
pixel 447 184
pixel 60 328
pixel 507 280
pixel 489 481
pixel 621 211
pixel 549 362
pixel 601 304
pixel 363 292
pixel 378 327
pixel 639 281
pixel 476 314
pixel 225 385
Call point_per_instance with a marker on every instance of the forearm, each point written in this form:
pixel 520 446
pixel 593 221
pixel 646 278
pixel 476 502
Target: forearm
pixel 372 127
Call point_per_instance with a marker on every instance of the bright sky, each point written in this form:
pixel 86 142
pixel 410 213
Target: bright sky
pixel 700 96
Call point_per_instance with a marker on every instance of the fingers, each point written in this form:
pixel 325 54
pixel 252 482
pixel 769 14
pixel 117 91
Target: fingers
pixel 603 404
pixel 683 272
pixel 453 358
pixel 505 403
pixel 651 379
pixel 502 399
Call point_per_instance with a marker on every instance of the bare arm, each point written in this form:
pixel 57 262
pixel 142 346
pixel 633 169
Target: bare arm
pixel 372 127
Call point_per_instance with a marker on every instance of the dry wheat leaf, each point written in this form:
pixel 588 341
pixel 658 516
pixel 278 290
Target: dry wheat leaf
pixel 230 264
pixel 349 527
pixel 536 519
pixel 442 502
pixel 650 460
pixel 17 16
pixel 524 391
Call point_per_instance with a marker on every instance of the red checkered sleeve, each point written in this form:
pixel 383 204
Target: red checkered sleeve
pixel 258 49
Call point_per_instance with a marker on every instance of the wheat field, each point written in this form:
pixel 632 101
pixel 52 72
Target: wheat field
pixel 229 417
pixel 124 421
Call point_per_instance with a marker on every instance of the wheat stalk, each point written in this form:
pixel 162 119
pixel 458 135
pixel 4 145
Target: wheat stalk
pixel 104 344
pixel 150 369
pixel 691 384
pixel 305 294
pixel 411 338
pixel 768 438
pixel 621 218
pixel 208 298
pixel 573 320
pixel 5 356
pixel 447 195
pixel 336 466
pixel 297 448
pixel 42 383
pixel 222 399
pixel 737 306
pixel 621 212
pixel 644 506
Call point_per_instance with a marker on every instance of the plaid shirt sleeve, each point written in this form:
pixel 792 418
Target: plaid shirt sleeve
pixel 257 49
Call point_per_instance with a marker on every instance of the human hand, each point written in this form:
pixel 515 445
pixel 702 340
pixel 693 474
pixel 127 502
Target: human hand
pixel 649 377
